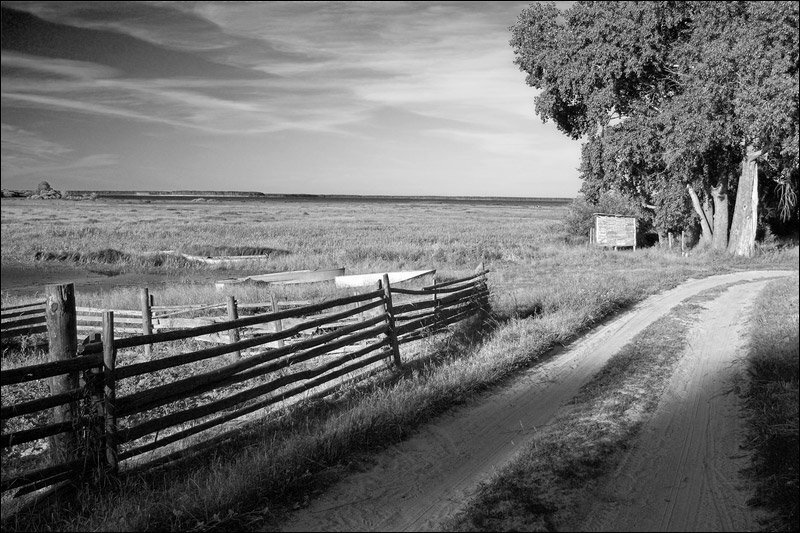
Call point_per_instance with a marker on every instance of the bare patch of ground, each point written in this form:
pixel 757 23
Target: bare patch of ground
pixel 419 483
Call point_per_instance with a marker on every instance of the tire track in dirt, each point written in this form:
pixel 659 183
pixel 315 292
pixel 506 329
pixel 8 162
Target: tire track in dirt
pixel 416 484
pixel 682 473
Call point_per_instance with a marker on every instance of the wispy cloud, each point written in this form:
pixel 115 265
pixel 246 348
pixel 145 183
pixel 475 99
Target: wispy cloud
pixel 26 154
pixel 368 56
pixel 349 70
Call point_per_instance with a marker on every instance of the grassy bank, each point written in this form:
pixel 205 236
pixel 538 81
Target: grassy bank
pixel 772 401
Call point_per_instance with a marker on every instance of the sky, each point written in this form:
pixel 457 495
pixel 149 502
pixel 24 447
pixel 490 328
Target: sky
pixel 373 98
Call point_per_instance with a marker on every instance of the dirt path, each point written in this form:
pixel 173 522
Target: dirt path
pixel 416 484
pixel 682 473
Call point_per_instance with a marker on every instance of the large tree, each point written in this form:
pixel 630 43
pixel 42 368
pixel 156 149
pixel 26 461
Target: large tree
pixel 677 102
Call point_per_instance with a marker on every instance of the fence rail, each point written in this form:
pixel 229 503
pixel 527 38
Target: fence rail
pixel 95 427
pixel 21 320
pixel 29 319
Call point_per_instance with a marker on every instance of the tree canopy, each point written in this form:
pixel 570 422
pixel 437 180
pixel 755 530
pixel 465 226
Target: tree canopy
pixel 676 101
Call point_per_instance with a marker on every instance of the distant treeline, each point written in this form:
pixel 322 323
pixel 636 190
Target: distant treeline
pixel 252 195
pixel 194 194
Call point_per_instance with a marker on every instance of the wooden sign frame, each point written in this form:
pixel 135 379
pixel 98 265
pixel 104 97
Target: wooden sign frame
pixel 614 231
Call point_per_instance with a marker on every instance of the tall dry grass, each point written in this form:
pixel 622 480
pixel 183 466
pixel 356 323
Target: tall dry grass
pixel 772 401
pixel 544 292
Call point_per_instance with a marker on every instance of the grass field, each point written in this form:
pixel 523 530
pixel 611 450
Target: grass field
pixel 544 293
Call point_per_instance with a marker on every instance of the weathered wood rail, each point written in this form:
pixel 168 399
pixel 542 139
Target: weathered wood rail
pixel 28 319
pixel 97 423
pixel 22 320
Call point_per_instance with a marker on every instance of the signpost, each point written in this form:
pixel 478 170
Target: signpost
pixel 614 230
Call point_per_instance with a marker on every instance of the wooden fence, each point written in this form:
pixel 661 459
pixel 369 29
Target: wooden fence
pixel 95 427
pixel 22 320
pixel 28 319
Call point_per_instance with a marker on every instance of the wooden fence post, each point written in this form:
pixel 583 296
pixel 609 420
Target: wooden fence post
pixel 147 319
pixel 62 334
pixel 278 323
pixel 683 241
pixel 96 388
pixel 484 301
pixel 435 296
pixel 392 334
pixel 233 314
pixel 669 236
pixel 109 378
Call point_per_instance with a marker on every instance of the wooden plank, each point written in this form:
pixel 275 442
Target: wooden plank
pixel 185 307
pixel 431 321
pixel 25 330
pixel 451 299
pixel 443 290
pixel 180 435
pixel 41 432
pixel 34 320
pixel 204 410
pixel 242 322
pixel 253 305
pixel 427 332
pixel 99 319
pixel 7 316
pixel 168 362
pixel 118 313
pixel 169 314
pixel 407 317
pixel 160 323
pixel 39 303
pixel 414 306
pixel 362 280
pixel 40 404
pixel 46 370
pixel 98 327
pixel 438 286
pixel 234 372
pixel 289 277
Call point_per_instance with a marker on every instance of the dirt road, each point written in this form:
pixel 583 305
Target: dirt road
pixel 418 483
pixel 682 474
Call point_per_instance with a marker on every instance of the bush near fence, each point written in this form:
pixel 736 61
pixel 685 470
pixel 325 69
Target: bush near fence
pixel 96 431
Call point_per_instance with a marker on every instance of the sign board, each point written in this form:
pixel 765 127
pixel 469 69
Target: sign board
pixel 614 230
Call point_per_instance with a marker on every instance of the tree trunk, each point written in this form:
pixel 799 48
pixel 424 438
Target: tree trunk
pixel 745 214
pixel 720 195
pixel 705 213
